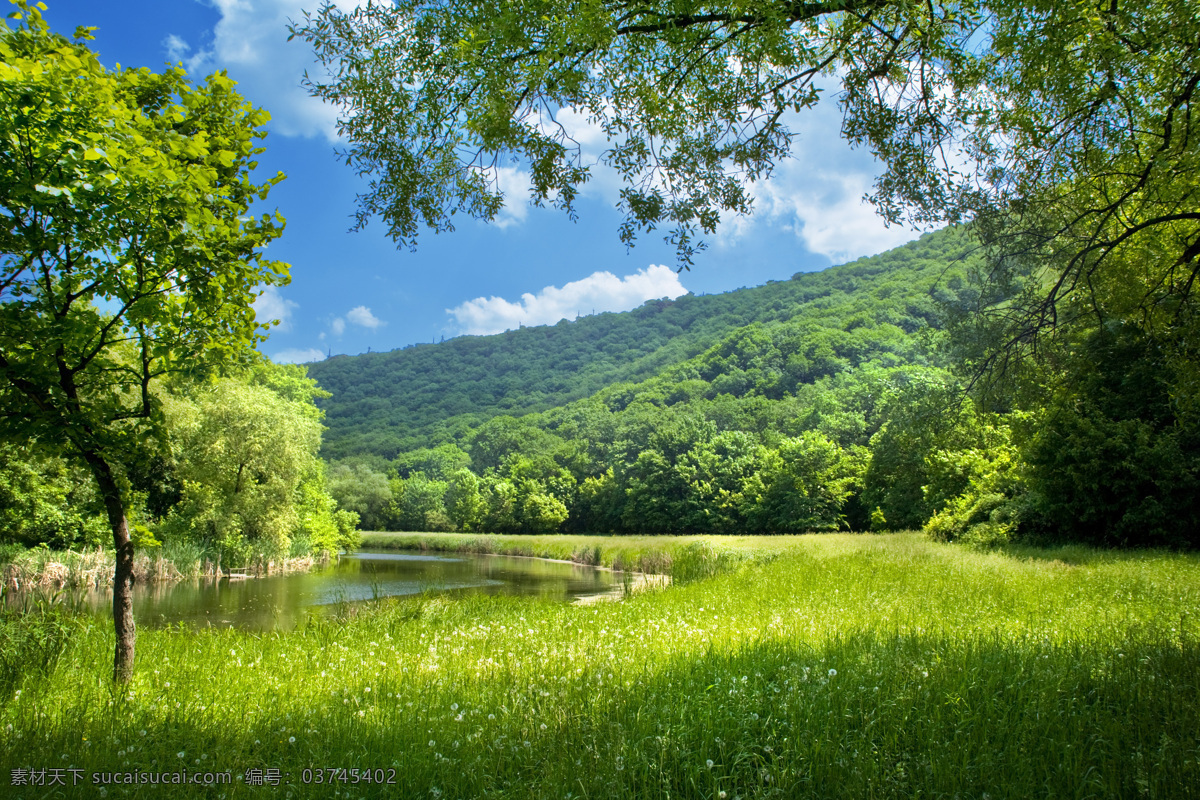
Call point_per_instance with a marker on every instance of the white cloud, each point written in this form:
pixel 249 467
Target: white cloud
pixel 818 193
pixel 270 305
pixel 514 183
pixel 826 210
pixel 251 42
pixel 600 291
pixel 298 356
pixel 338 326
pixel 361 315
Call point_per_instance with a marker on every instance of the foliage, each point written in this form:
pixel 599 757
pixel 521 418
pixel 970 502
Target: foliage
pixel 925 414
pixel 418 504
pixel 805 485
pixel 1064 130
pixel 790 423
pixel 1115 455
pixel 994 506
pixel 694 103
pixel 129 253
pixel 47 500
pixel 465 501
pixel 358 488
pixel 246 452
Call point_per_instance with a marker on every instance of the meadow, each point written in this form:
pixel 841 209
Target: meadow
pixel 855 666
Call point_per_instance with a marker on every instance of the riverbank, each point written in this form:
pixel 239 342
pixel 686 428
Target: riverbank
pixel 51 570
pixel 842 667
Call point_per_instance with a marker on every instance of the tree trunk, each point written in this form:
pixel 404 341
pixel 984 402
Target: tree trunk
pixel 114 504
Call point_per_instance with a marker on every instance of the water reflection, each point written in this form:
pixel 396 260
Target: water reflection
pixel 282 602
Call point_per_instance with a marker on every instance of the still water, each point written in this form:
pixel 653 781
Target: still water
pixel 283 602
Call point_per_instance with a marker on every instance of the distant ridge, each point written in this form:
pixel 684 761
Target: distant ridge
pixel 387 403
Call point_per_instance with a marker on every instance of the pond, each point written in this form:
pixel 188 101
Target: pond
pixel 284 601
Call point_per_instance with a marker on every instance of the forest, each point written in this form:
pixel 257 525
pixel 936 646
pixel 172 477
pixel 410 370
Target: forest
pixel 837 400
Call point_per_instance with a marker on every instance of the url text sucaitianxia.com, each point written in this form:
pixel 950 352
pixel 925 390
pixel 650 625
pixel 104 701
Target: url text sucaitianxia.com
pixel 55 776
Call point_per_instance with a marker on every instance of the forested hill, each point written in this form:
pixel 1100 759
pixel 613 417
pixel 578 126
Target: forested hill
pixel 388 403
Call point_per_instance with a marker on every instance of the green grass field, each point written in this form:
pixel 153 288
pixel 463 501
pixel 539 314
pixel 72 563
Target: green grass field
pixel 849 666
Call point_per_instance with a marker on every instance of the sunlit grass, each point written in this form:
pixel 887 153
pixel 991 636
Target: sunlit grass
pixel 818 666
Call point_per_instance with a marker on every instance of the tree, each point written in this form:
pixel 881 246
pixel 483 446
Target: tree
pixel 245 454
pixel 364 491
pixel 1064 129
pixel 46 500
pixel 803 486
pixel 126 253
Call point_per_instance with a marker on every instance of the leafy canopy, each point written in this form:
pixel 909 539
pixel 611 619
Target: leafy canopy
pixel 126 248
pixel 691 98
pixel 1065 129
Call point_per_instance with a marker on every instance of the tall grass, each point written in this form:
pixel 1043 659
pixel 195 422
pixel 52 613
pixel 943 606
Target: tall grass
pixel 821 666
pixel 42 569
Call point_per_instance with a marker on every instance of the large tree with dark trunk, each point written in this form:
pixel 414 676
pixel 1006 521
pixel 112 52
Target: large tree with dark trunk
pixel 126 253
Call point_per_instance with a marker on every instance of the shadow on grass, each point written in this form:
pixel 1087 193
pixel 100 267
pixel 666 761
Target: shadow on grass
pixel 863 715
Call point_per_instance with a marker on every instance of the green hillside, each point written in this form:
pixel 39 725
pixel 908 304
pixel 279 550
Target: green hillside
pixel 388 403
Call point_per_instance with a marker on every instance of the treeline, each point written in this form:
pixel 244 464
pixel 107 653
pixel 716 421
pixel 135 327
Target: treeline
pixel 234 474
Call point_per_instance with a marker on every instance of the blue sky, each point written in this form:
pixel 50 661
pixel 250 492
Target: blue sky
pixel 354 291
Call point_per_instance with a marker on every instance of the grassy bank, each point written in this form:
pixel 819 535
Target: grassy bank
pixel 841 666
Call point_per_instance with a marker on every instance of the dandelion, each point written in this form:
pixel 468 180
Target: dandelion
pixel 181 754
pixel 832 673
pixel 291 740
pixel 454 706
pixel 721 794
pixel 708 763
pixel 432 743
